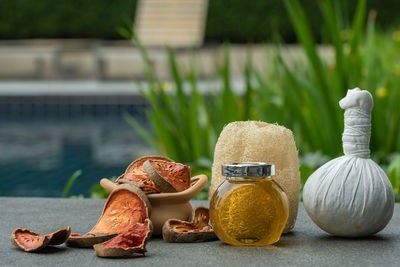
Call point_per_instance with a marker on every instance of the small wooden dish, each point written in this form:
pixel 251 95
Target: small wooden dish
pixel 166 206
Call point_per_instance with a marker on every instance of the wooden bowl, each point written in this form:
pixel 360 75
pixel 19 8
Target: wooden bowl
pixel 166 206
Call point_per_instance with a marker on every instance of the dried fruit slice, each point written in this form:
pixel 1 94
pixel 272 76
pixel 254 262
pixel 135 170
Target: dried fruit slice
pixel 169 177
pixel 177 231
pixel 135 174
pixel 88 240
pixel 160 182
pixel 30 241
pixel 60 236
pixel 127 243
pixel 125 206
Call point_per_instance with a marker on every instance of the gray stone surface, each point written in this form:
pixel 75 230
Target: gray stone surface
pixel 306 245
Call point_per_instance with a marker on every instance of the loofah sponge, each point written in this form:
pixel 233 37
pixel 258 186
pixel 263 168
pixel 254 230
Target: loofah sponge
pixel 256 141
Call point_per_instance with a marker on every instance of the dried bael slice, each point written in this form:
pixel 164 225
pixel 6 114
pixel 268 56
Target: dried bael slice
pixel 135 174
pixel 88 240
pixel 30 241
pixel 127 243
pixel 177 231
pixel 169 177
pixel 125 206
pixel 60 236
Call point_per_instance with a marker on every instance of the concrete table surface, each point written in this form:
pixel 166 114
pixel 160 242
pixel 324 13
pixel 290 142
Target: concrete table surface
pixel 306 245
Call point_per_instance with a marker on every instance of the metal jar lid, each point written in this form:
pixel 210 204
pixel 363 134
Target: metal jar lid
pixel 248 169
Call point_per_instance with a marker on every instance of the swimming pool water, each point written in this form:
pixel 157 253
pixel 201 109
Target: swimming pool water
pixel 39 153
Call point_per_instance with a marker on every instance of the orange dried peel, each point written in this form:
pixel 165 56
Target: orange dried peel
pixel 168 176
pixel 30 241
pixel 126 243
pixel 125 206
pixel 136 174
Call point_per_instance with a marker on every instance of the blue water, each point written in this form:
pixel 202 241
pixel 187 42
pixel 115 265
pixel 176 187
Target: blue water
pixel 42 145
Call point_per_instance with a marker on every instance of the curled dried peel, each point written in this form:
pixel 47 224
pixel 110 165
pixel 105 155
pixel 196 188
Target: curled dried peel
pixel 60 236
pixel 169 177
pixel 177 231
pixel 126 206
pixel 126 243
pixel 122 209
pixel 136 174
pixel 30 241
pixel 88 240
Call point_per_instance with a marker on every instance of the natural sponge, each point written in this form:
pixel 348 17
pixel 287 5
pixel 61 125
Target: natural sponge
pixel 256 141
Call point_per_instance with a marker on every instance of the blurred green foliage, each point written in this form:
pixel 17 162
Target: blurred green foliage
pixel 393 171
pixel 97 191
pixel 303 96
pixel 233 20
pixel 253 21
pixel 363 58
pixel 69 184
pixel 64 19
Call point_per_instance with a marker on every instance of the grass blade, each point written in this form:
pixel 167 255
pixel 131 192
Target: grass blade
pixel 145 134
pixel 334 33
pixel 357 27
pixel 70 182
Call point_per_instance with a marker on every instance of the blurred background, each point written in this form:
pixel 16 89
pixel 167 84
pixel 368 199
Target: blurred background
pixel 86 87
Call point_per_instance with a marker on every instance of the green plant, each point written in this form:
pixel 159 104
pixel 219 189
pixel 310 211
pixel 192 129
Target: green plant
pixel 22 19
pixel 185 123
pixel 309 91
pixel 301 95
pixel 97 191
pixel 233 20
pixel 394 175
pixel 70 182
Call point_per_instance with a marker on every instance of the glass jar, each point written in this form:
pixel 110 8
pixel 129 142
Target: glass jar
pixel 249 208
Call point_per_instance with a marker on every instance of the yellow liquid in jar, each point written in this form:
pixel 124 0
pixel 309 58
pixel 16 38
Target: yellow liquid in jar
pixel 249 213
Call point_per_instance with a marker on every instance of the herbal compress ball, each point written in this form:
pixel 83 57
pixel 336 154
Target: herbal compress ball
pixel 351 196
pixel 256 141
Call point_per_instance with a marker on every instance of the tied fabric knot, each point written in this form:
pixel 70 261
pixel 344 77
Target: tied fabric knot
pixel 357 133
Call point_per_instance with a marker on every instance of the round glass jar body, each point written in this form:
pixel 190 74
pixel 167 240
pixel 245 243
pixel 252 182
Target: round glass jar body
pixel 249 211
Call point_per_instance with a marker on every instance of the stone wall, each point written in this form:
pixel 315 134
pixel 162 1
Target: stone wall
pixel 119 60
